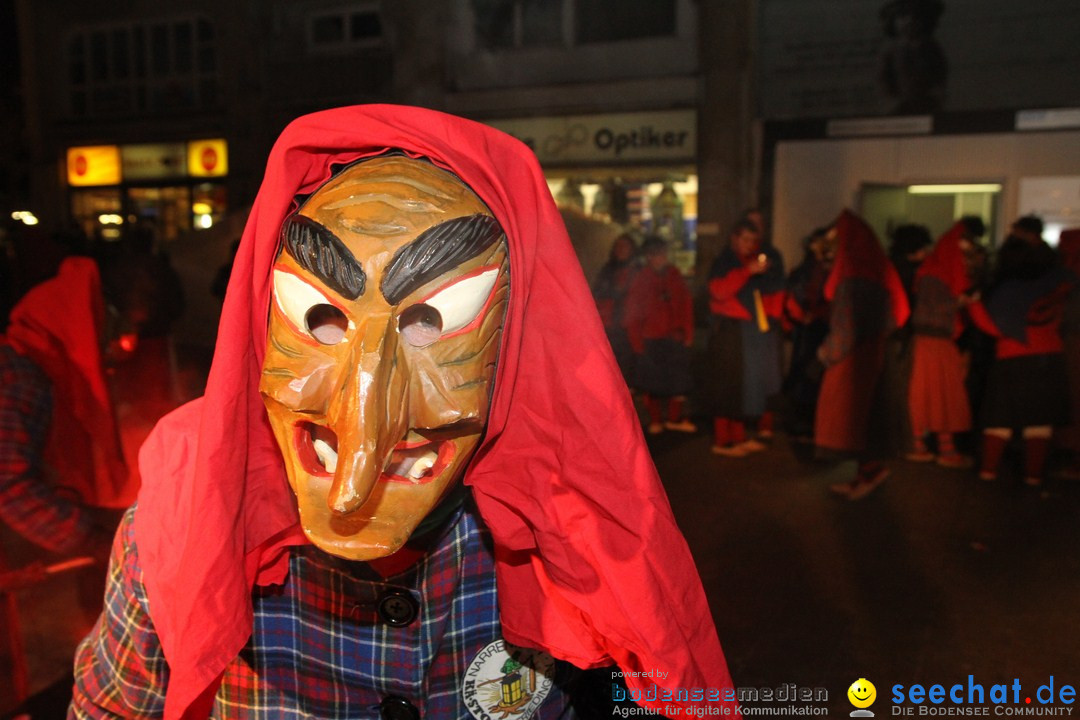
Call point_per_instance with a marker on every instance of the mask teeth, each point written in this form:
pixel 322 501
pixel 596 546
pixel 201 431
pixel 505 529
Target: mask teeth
pixel 423 465
pixel 413 463
pixel 326 454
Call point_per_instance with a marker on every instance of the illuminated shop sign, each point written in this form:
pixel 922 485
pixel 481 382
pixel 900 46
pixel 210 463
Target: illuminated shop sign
pixel 93 165
pixel 669 136
pixel 150 162
pixel 112 164
pixel 207 158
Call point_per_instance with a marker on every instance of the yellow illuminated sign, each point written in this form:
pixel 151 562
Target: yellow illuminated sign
pixel 208 158
pixel 93 165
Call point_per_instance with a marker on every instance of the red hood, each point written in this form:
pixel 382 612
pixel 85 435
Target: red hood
pixel 58 325
pixel 946 261
pixel 860 255
pixel 590 563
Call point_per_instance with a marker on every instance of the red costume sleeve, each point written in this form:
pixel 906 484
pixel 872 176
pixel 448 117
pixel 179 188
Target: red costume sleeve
pixel 774 303
pixel 724 288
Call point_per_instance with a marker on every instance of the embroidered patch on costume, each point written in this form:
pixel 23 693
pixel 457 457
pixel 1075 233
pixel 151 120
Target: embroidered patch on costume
pixel 504 681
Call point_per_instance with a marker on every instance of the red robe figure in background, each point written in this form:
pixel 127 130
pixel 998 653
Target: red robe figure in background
pixel 867 304
pixel 61 462
pixel 936 394
pixel 660 327
pixel 609 289
pixel 50 476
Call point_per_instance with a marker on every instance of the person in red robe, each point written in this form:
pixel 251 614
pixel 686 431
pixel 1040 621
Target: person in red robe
pixel 610 288
pixel 59 445
pixel 867 302
pixel 937 397
pixel 660 325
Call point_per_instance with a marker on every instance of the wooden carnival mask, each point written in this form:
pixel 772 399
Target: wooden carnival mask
pixel 388 300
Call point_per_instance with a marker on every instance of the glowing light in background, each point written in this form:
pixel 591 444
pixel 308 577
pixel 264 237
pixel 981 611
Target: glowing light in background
pixel 25 217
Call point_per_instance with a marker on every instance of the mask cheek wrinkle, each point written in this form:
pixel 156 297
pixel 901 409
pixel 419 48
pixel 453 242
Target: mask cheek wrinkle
pixel 432 402
pixel 308 390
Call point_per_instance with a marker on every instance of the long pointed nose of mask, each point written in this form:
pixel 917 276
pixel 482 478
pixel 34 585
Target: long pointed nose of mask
pixel 360 416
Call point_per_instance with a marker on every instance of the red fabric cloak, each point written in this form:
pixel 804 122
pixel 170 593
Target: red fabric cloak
pixel 867 303
pixel 58 325
pixel 590 563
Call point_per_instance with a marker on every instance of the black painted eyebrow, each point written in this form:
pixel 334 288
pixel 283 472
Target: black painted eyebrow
pixel 436 250
pixel 321 252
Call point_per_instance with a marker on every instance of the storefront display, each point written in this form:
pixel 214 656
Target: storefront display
pixel 616 172
pixel 166 188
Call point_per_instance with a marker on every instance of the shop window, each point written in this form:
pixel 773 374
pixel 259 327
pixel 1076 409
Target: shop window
pixel 538 23
pixel 207 205
pixel 165 211
pixel 97 212
pixel 600 204
pixel 127 68
pixel 345 29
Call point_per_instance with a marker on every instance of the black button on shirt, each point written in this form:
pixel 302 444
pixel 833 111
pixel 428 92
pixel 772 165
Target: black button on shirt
pixel 398 608
pixel 398 708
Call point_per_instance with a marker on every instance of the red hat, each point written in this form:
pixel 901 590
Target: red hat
pixel 946 261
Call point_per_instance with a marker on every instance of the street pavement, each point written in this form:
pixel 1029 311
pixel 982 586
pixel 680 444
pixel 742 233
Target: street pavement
pixel 934 576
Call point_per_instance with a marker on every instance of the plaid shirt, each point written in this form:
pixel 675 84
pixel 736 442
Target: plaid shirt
pixel 30 505
pixel 318 647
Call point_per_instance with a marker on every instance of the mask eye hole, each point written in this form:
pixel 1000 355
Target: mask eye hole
pixel 326 323
pixel 420 325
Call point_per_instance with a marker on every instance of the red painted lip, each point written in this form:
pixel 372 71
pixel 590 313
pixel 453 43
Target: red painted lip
pixel 305 433
pixel 303 441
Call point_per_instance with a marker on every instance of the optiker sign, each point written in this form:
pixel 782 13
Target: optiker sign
pixel 669 136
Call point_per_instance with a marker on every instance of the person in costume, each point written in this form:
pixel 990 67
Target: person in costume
pixel 660 327
pixel 61 464
pixel 1069 252
pixel 867 302
pixel 60 455
pixel 806 312
pixel 610 288
pixel 1023 311
pixel 937 395
pixel 407 343
pixel 746 301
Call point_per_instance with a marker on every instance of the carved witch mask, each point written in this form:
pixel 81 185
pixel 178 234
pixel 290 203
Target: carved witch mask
pixel 389 294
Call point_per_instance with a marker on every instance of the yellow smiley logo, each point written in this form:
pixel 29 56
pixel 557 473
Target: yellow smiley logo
pixel 862 693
